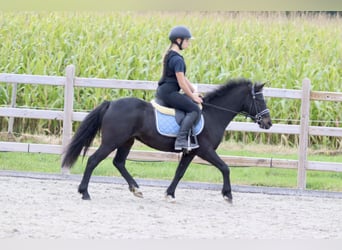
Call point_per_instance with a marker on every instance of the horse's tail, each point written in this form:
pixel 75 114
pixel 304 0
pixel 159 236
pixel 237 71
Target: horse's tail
pixel 84 135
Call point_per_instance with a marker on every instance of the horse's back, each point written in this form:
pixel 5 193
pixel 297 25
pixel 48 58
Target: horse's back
pixel 129 104
pixel 127 113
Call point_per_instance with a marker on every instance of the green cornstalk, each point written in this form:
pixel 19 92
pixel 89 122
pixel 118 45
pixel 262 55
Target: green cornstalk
pixel 272 47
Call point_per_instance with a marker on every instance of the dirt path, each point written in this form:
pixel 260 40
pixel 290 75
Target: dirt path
pixel 52 209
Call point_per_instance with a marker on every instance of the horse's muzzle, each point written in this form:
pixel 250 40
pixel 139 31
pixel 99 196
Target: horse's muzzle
pixel 265 122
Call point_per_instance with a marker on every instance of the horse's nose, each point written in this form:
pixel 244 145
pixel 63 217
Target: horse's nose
pixel 266 123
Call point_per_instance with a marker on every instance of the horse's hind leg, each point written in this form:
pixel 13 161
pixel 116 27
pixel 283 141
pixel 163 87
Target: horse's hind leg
pixel 120 162
pixel 92 163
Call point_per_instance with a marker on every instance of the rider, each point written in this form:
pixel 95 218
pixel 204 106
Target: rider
pixel 173 80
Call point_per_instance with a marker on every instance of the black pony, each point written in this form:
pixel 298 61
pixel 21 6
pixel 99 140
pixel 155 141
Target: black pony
pixel 126 119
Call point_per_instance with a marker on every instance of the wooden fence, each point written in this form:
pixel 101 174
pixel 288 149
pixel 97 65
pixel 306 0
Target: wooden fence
pixel 68 116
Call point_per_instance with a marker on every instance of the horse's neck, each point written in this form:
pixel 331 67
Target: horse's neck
pixel 224 111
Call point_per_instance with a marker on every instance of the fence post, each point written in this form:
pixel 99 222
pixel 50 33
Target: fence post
pixel 13 105
pixel 304 134
pixel 68 107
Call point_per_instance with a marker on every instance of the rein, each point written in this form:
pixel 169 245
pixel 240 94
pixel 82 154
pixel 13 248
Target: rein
pixel 228 110
pixel 257 117
pixel 220 108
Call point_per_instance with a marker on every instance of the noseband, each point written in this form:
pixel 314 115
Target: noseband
pixel 257 118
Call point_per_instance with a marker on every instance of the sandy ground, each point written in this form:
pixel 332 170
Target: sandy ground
pixel 52 209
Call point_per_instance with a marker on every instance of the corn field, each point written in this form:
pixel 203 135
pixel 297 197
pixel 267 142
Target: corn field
pixel 272 47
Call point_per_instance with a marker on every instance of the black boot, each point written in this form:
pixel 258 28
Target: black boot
pixel 182 141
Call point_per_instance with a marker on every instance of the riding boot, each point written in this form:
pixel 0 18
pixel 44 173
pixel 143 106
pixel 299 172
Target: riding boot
pixel 184 131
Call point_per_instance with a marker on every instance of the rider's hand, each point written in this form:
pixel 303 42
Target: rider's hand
pixel 197 98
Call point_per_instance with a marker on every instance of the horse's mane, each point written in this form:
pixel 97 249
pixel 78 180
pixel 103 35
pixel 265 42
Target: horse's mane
pixel 227 87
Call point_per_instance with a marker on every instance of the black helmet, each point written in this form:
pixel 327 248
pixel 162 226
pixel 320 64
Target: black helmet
pixel 179 32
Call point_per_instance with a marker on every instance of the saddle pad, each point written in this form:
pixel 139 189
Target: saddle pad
pixel 167 125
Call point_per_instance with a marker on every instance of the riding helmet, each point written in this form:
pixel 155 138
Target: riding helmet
pixel 179 32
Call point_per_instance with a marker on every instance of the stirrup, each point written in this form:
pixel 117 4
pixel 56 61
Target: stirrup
pixel 189 148
pixel 190 145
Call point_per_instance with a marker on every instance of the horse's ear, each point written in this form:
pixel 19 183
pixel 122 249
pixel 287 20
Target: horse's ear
pixel 259 86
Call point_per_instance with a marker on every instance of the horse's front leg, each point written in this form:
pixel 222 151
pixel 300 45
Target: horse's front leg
pixel 182 167
pixel 211 156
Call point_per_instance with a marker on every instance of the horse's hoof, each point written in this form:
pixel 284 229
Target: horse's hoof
pixel 85 194
pixel 228 199
pixel 170 198
pixel 136 192
pixel 86 197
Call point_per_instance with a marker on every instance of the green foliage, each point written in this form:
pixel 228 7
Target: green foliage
pixel 276 48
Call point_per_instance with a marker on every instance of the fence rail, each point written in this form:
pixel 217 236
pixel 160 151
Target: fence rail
pixel 68 116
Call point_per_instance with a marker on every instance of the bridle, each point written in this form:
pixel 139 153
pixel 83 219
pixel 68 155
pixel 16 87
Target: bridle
pixel 257 118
